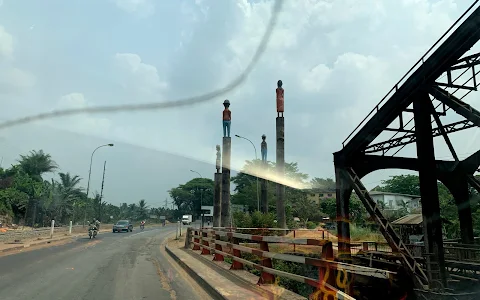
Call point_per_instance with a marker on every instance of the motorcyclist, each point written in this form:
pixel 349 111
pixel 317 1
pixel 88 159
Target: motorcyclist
pixel 142 223
pixel 95 224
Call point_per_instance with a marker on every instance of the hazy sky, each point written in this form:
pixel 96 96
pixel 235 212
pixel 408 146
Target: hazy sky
pixel 337 59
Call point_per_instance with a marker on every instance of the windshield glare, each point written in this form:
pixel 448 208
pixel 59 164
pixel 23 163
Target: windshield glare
pixel 122 223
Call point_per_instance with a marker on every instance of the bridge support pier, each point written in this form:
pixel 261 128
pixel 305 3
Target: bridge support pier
pixel 458 186
pixel 344 191
pixel 432 223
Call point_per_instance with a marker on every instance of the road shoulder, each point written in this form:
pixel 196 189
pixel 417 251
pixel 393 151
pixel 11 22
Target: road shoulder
pixel 220 282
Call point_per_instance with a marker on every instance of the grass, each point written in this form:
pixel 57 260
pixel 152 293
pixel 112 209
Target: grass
pixel 358 234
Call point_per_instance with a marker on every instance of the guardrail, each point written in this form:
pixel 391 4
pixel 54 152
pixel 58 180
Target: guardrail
pixel 226 242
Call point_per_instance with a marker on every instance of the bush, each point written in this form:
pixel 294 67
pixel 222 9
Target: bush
pixel 311 225
pixel 255 220
pixel 260 220
pixel 242 220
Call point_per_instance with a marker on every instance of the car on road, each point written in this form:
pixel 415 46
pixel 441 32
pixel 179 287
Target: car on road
pixel 123 225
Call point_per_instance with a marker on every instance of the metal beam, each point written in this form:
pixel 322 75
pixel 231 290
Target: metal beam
pixel 410 138
pixel 456 104
pixel 447 54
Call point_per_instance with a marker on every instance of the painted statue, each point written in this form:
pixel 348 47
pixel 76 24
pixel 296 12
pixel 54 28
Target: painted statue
pixel 219 157
pixel 227 119
pixel 280 98
pixel 263 148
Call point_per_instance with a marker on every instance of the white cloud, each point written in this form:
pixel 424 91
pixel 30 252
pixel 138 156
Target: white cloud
pixel 6 44
pixel 144 8
pixel 14 79
pixel 337 59
pixel 138 75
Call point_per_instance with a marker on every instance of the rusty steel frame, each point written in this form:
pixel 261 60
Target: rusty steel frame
pixel 414 89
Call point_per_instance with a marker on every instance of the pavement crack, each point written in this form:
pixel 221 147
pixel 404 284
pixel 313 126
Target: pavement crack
pixel 163 279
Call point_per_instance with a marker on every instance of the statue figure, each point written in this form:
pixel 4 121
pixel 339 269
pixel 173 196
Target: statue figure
pixel 219 157
pixel 263 148
pixel 280 99
pixel 227 118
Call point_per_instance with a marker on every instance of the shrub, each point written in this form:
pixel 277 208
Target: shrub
pixel 311 225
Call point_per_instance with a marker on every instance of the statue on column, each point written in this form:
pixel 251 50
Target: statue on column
pixel 219 157
pixel 263 148
pixel 227 119
pixel 280 99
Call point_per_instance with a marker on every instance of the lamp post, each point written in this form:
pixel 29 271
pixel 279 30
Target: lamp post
pixel 201 198
pixel 256 158
pixel 89 174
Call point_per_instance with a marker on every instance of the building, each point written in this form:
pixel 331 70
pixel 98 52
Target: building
pixel 207 211
pixel 394 202
pixel 317 195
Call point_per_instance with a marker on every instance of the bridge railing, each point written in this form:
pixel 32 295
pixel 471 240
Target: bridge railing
pixel 239 247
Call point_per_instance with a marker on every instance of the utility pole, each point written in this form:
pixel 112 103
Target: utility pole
pixel 166 203
pixel 101 192
pixel 103 181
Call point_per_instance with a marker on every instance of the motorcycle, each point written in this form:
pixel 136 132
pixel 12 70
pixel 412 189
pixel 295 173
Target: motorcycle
pixel 142 226
pixel 92 232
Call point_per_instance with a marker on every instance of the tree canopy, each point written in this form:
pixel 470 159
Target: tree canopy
pixel 190 196
pixel 25 197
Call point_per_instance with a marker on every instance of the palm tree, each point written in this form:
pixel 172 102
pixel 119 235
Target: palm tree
pixel 132 211
pixel 68 193
pixel 142 209
pixel 36 163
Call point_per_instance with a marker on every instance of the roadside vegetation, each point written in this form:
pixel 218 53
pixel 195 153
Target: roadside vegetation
pixel 311 215
pixel 28 199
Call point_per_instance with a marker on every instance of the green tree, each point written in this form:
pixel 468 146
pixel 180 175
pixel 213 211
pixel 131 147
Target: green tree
pixel 246 186
pixel 37 163
pixel 187 197
pixel 401 184
pixel 142 210
pixel 324 184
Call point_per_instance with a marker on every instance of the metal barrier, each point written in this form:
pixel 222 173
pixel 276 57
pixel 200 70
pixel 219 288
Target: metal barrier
pixel 209 242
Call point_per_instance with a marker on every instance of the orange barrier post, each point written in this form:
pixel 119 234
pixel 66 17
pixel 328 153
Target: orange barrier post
pixel 235 264
pixel 205 243
pixel 196 240
pixel 218 256
pixel 265 278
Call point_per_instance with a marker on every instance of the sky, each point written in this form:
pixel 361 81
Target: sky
pixel 336 58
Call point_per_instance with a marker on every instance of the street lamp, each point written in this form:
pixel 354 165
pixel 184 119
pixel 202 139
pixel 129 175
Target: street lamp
pixel 201 198
pixel 90 173
pixel 256 158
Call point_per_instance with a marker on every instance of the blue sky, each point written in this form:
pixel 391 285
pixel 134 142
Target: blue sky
pixel 337 60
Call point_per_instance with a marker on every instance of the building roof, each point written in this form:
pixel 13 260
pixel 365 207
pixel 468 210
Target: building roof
pixel 412 219
pixel 387 193
pixel 317 190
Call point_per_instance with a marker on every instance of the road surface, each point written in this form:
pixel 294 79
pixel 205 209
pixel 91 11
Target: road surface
pixel 123 266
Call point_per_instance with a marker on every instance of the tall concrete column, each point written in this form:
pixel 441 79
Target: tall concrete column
pixel 217 200
pixel 263 192
pixel 225 215
pixel 280 164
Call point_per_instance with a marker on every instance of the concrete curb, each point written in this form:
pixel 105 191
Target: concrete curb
pixel 34 244
pixel 208 288
pixel 43 242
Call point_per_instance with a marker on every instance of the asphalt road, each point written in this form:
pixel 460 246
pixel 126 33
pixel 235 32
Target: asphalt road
pixel 121 266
